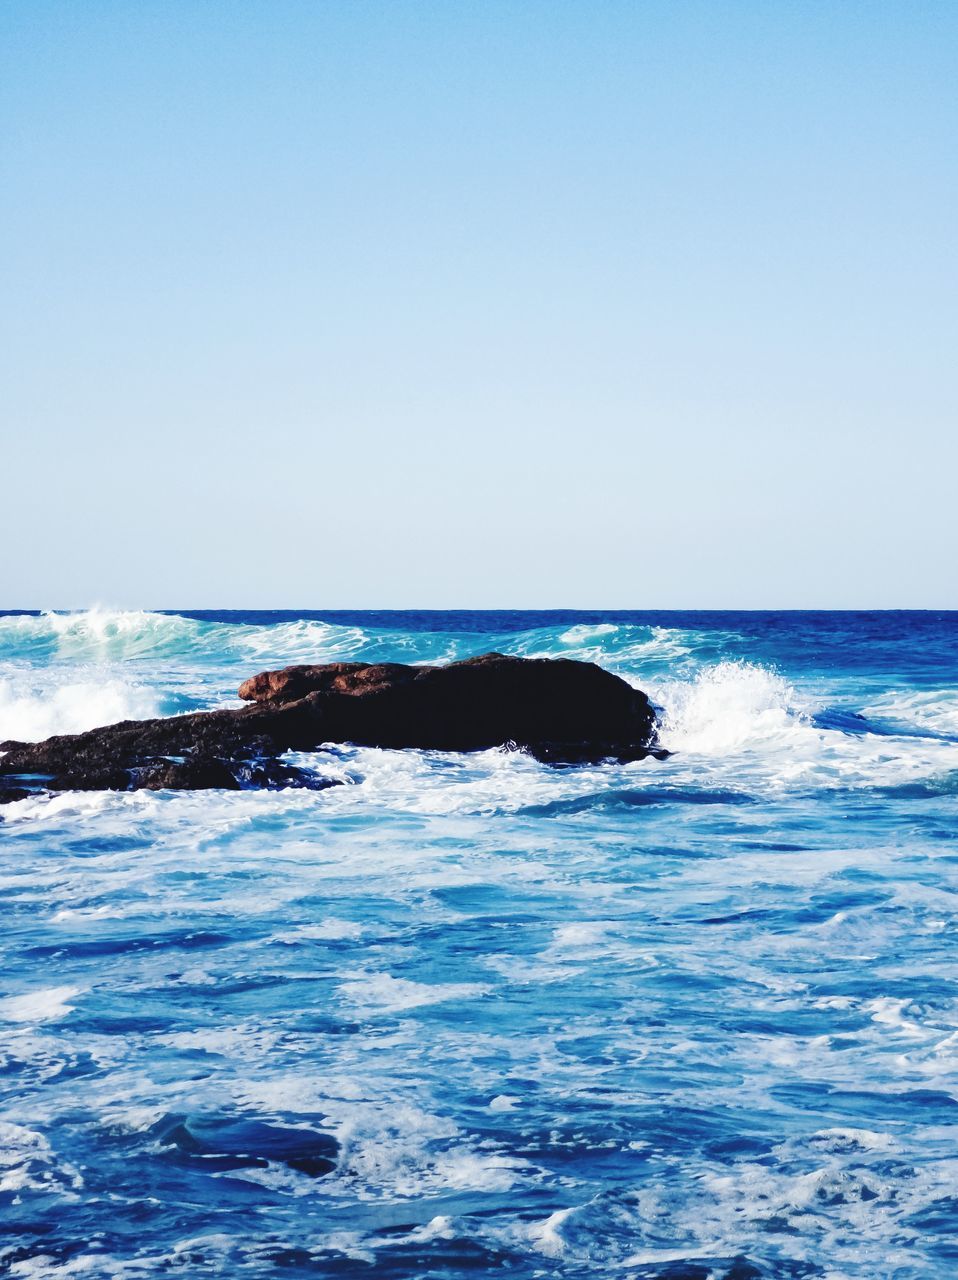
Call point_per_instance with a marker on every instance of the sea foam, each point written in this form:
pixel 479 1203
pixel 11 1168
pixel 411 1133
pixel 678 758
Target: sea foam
pixel 728 706
pixel 33 707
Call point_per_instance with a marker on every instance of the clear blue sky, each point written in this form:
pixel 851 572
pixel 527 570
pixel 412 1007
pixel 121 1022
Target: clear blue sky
pixel 357 304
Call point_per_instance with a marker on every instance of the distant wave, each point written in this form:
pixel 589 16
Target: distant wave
pixel 97 634
pixel 114 635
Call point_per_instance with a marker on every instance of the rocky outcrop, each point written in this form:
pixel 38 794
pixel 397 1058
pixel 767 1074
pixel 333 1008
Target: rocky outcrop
pixel 560 710
pixel 10 794
pixel 466 706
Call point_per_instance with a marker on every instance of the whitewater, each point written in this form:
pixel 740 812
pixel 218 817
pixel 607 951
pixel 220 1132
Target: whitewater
pixel 693 1019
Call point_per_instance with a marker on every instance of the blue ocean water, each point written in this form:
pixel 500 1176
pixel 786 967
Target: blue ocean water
pixel 468 1014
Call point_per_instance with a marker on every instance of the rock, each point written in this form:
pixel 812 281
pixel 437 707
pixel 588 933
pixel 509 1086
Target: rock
pixel 273 775
pixel 104 777
pixel 197 773
pixel 561 710
pixel 291 683
pixel 552 703
pixel 9 794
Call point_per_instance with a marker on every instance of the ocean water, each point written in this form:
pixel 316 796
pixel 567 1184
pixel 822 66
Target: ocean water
pixel 470 1015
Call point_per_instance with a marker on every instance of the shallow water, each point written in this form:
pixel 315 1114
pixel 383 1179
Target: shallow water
pixel 693 1018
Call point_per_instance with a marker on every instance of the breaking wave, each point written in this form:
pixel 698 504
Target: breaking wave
pixel 730 706
pixel 99 635
pixel 32 709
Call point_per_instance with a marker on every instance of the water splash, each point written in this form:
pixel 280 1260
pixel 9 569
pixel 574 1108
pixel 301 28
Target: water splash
pixel 729 706
pixel 34 706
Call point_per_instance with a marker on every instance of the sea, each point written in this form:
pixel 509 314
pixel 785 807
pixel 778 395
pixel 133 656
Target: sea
pixel 473 1015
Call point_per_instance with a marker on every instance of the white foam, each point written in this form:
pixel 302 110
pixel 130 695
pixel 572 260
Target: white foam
pixel 846 1141
pixel 35 706
pixel 27 1163
pixel 388 1146
pixel 890 1012
pixel 585 631
pixel 330 930
pixel 928 710
pixel 382 993
pixel 438 1228
pixel 72 914
pixel 237 1043
pixel 653 1257
pixel 726 707
pixel 45 1004
pixel 97 634
pixel 546 1237
pixel 504 1102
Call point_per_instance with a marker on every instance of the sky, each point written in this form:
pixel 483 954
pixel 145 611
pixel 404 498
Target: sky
pixel 331 303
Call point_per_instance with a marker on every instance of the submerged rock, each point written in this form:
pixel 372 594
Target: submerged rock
pixel 560 710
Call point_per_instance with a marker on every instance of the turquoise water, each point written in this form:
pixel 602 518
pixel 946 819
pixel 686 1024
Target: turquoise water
pixel 468 1014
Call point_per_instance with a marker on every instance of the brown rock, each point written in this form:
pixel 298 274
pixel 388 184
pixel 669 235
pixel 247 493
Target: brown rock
pixel 561 710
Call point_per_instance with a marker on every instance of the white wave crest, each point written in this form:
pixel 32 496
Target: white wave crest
pixel 583 632
pixel 625 648
pixel 95 633
pixel 41 1005
pixel 925 710
pixel 726 707
pixel 28 1163
pixel 32 709
pixel 751 728
pixel 105 635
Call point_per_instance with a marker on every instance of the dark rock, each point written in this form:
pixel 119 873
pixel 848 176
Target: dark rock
pixel 560 710
pixel 290 683
pixel 105 777
pixel 570 753
pixel 466 706
pixel 273 775
pixel 9 794
pixel 195 773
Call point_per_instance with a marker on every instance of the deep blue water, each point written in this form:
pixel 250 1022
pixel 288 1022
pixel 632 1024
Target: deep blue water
pixel 471 1015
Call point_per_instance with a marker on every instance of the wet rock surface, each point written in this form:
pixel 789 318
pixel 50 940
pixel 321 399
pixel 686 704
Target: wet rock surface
pixel 9 794
pixel 560 710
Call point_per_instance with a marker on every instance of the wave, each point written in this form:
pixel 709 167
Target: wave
pixel 728 706
pixel 733 724
pixel 930 711
pixel 633 799
pixel 630 650
pixel 120 635
pixel 745 726
pixel 98 634
pixel 31 709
